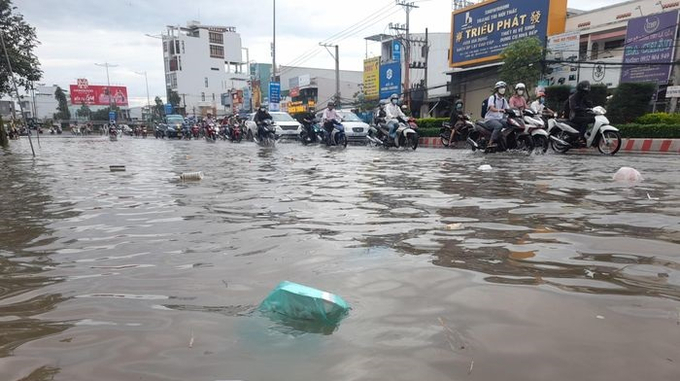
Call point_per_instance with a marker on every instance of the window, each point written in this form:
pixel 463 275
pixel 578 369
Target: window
pixel 177 46
pixel 582 50
pixel 173 64
pixel 179 62
pixel 214 68
pixel 172 47
pixel 206 81
pixel 213 97
pixel 216 38
pixel 165 46
pixel 610 45
pixel 203 97
pixel 594 51
pixel 182 47
pixel 216 51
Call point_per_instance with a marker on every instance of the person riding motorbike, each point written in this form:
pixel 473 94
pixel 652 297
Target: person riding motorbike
pixel 456 115
pixel 394 115
pixel 518 100
pixel 381 114
pixel 495 114
pixel 329 119
pixel 579 103
pixel 538 106
pixel 308 120
pixel 260 116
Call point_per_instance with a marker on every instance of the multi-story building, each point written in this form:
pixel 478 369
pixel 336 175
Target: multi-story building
pixel 203 62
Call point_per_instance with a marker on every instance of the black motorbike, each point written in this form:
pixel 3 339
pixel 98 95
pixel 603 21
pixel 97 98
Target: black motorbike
pixel 452 134
pixel 512 137
pixel 311 132
pixel 266 133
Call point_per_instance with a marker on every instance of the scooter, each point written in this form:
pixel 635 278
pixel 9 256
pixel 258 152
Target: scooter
pixel 311 132
pixel 564 135
pixel 461 130
pixel 337 137
pixel 513 135
pixel 235 132
pixel 405 136
pixel 211 133
pixel 266 134
pixel 535 126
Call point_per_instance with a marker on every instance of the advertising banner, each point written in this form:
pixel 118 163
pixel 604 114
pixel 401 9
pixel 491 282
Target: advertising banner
pixel 97 95
pixel 479 33
pixel 274 96
pixel 390 79
pixel 396 50
pixel 563 47
pixel 372 78
pixel 650 40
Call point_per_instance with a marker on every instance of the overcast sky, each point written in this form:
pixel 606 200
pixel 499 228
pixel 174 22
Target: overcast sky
pixel 76 34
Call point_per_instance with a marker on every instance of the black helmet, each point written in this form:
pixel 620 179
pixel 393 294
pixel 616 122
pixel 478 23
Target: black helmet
pixel 583 86
pixel 331 104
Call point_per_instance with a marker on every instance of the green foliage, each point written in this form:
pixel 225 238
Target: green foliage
pixel 4 141
pixel 158 109
pixel 522 62
pixel 84 111
pixel 429 132
pixel 630 101
pixel 555 96
pixel 103 114
pixel 20 41
pixel 598 94
pixel 173 98
pixel 425 123
pixel 64 112
pixel 659 118
pixel 665 131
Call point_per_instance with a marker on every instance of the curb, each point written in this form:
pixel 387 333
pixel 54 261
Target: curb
pixel 627 145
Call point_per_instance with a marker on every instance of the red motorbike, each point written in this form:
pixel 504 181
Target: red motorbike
pixel 211 132
pixel 195 131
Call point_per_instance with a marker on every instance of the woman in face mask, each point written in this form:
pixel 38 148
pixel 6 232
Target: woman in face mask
pixel 518 100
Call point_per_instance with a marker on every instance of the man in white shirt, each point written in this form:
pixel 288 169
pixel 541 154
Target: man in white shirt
pixel 394 115
pixel 495 112
pixel 329 118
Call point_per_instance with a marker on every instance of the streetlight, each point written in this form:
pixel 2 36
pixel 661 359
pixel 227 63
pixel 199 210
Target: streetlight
pixel 148 100
pixel 108 82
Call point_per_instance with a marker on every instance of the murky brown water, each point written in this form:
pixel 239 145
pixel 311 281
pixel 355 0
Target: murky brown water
pixel 543 269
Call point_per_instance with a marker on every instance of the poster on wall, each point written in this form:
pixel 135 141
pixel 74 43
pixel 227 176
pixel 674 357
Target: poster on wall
pixel 390 79
pixel 372 78
pixel 563 47
pixel 480 33
pixel 650 41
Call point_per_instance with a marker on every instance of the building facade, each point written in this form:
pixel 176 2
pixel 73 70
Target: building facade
pixel 203 62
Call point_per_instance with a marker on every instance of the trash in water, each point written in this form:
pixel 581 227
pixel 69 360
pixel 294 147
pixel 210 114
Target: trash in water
pixel 628 174
pixel 455 226
pixel 600 317
pixel 652 198
pixel 485 167
pixel 117 168
pixel 191 176
pixel 296 302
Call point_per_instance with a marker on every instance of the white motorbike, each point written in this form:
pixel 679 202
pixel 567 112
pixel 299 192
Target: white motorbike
pixel 535 126
pixel 565 136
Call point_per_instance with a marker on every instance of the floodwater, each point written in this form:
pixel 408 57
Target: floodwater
pixel 541 269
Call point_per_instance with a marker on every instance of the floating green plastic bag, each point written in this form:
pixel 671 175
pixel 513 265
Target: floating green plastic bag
pixel 295 301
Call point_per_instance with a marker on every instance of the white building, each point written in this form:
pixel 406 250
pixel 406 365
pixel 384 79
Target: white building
pixel 319 84
pixel 202 62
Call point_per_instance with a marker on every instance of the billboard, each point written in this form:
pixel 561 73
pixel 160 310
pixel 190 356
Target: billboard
pixel 480 33
pixel 274 96
pixel 95 95
pixel 563 47
pixel 372 78
pixel 390 79
pixel 396 50
pixel 650 40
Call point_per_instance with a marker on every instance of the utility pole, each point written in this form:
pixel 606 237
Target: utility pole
pixel 148 99
pixel 427 55
pixel 408 7
pixel 108 82
pixel 336 57
pixel 274 43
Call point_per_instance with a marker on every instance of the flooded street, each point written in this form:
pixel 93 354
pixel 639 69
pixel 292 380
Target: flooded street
pixel 542 269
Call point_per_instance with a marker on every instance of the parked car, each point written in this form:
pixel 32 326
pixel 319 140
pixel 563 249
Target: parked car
pixel 355 129
pixel 286 126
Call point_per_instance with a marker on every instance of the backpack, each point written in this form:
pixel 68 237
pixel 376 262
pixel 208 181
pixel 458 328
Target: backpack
pixel 566 109
pixel 485 107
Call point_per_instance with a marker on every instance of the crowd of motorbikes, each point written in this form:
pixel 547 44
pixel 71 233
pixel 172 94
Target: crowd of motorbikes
pixel 526 131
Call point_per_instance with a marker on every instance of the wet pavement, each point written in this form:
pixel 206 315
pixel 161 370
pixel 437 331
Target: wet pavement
pixel 543 268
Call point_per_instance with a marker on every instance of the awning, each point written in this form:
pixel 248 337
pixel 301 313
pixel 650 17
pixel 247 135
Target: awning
pixel 462 70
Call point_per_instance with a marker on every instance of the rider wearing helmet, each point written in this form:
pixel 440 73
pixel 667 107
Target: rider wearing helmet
pixel 394 115
pixel 495 113
pixel 579 103
pixel 330 118
pixel 456 114
pixel 538 106
pixel 518 100
pixel 260 116
pixel 381 114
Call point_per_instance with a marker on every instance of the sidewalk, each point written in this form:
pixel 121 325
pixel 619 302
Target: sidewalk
pixel 627 145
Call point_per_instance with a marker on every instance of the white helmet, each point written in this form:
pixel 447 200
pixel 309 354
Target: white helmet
pixel 500 84
pixel 520 86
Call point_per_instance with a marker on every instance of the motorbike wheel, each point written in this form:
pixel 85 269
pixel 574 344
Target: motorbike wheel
pixel 270 140
pixel 445 138
pixel 472 141
pixel 342 141
pixel 541 143
pixel 249 137
pixel 557 147
pixel 303 138
pixel 525 143
pixel 413 141
pixel 609 143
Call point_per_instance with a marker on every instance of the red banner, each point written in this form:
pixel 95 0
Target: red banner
pixel 97 95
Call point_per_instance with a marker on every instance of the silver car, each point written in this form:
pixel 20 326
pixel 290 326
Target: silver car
pixel 355 129
pixel 286 126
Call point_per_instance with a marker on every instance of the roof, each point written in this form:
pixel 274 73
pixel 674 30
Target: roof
pixel 380 37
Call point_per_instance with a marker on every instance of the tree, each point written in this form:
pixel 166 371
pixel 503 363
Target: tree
pixel 523 62
pixel 173 98
pixel 20 41
pixel 630 101
pixel 158 108
pixel 64 112
pixel 84 111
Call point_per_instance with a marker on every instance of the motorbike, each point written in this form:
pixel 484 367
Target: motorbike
pixel 59 130
pixel 405 136
pixel 311 132
pixel 461 129
pixel 513 135
pixel 159 132
pixel 52 131
pixel 235 132
pixel 211 132
pixel 266 134
pixel 564 135
pixel 186 132
pixel 143 132
pixel 113 134
pixel 195 131
pixel 535 126
pixel 337 136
